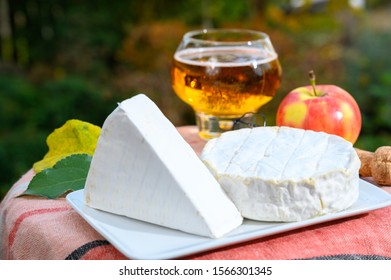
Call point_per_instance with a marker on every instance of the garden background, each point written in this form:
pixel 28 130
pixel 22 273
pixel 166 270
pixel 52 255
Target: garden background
pixel 75 59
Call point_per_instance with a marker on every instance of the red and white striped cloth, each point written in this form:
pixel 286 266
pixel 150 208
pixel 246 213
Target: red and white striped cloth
pixel 37 228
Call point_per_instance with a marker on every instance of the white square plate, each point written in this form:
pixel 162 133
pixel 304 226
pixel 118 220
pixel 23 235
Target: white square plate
pixel 140 240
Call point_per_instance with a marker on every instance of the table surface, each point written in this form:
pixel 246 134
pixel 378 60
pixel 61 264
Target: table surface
pixel 38 228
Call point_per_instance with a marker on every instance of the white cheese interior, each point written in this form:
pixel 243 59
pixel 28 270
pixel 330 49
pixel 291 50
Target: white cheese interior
pixel 284 174
pixel 142 168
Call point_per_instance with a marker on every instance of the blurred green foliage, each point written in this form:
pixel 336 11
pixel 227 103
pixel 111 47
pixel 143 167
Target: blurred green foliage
pixel 369 68
pixel 76 59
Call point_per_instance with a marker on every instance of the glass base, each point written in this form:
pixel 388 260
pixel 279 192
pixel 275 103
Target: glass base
pixel 210 126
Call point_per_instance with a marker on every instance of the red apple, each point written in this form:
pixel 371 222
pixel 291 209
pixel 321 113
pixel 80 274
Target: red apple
pixel 326 108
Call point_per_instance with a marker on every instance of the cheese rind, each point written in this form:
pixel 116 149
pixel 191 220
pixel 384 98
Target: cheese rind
pixel 284 174
pixel 142 168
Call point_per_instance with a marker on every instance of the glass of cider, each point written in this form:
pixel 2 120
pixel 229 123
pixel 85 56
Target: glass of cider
pixel 223 74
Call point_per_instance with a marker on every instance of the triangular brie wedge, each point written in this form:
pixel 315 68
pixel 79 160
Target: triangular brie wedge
pixel 142 168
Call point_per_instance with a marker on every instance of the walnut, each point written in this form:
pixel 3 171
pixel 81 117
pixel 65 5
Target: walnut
pixel 366 159
pixel 381 165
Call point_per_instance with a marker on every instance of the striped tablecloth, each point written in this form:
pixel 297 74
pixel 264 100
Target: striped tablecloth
pixel 37 228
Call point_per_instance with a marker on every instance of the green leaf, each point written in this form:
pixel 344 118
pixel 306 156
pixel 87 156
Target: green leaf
pixel 68 175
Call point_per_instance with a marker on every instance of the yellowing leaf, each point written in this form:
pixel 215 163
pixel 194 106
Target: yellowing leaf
pixel 74 137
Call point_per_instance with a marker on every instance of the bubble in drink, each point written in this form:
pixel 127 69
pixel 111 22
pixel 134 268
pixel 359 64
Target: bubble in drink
pixel 227 81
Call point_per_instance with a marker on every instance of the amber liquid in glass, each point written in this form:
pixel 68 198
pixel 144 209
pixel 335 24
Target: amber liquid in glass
pixel 226 81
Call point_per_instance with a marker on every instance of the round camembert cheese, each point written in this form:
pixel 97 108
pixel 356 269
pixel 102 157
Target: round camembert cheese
pixel 284 174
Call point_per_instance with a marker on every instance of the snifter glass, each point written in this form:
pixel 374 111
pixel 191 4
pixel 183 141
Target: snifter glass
pixel 223 74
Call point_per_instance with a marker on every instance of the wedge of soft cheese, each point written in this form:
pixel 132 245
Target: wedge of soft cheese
pixel 142 168
pixel 284 174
